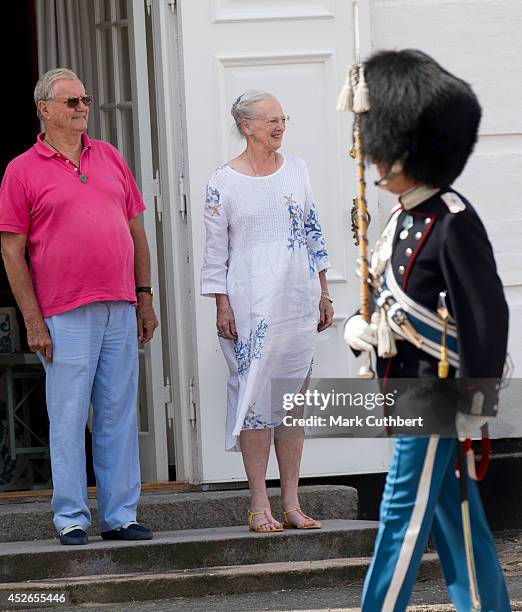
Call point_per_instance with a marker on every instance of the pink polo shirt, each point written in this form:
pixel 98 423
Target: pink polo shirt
pixel 78 236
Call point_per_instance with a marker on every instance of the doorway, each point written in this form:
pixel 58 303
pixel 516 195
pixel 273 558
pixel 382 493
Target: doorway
pixel 24 457
pixel 106 49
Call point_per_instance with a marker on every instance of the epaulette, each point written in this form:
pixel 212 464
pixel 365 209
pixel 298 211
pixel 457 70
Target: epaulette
pixel 453 202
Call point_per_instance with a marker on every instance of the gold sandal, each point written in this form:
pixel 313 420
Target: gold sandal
pixel 288 525
pixel 257 529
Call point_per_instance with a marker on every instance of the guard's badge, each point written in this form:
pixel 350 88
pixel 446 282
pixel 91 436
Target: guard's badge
pixel 453 202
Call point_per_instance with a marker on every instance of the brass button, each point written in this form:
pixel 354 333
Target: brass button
pixel 408 252
pixel 402 269
pixel 418 235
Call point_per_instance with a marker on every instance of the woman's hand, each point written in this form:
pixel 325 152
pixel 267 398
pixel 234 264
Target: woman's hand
pixel 326 313
pixel 225 322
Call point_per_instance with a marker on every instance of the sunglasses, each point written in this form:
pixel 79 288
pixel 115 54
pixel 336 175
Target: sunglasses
pixel 73 102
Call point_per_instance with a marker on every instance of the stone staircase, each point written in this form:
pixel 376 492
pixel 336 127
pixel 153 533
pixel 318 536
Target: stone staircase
pixel 201 547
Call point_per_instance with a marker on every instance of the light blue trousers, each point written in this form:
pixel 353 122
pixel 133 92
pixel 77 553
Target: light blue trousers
pixel 422 496
pixel 95 359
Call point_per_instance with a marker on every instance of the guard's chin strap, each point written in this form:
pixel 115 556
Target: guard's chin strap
pixel 478 471
pixel 395 169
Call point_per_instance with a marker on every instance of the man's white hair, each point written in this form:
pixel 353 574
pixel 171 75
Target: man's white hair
pixel 242 107
pixel 44 87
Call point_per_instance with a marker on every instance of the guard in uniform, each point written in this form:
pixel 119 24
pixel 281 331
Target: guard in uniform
pixel 420 129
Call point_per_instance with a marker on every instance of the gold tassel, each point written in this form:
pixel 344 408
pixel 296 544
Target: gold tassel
pixel 386 346
pixel 345 99
pixel 442 311
pixel 361 96
pixel 443 368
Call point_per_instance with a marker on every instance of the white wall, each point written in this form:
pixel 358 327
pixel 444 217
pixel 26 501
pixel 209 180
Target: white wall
pixel 479 40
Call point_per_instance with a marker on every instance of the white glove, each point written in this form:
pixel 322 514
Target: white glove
pixel 358 334
pixel 466 424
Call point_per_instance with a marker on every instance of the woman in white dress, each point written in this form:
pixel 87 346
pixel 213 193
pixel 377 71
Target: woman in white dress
pixel 265 264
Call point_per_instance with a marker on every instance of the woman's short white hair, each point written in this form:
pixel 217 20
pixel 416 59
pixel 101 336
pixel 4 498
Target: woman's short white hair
pixel 44 87
pixel 242 107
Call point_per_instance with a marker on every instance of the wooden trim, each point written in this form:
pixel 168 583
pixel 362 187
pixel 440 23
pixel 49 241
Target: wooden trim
pixel 147 487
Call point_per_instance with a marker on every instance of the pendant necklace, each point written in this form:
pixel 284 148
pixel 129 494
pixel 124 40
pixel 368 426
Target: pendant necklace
pixel 83 178
pixel 252 165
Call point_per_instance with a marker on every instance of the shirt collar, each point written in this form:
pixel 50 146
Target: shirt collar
pixel 46 151
pixel 416 195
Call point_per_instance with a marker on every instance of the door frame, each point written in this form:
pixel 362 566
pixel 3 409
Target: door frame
pixel 152 440
pixel 174 211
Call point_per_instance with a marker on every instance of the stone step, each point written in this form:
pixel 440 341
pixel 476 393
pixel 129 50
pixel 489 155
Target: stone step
pixel 32 520
pixel 185 550
pixel 288 575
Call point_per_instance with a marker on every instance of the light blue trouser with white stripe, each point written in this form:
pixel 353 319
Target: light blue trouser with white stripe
pixel 421 496
pixel 95 359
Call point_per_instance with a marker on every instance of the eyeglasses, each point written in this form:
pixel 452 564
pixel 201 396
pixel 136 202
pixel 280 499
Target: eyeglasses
pixel 273 122
pixel 73 102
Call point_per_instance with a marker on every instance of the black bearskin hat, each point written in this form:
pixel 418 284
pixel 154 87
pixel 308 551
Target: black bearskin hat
pixel 419 114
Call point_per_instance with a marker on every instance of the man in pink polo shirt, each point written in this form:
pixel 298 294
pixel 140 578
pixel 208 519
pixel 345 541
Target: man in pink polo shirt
pixel 73 203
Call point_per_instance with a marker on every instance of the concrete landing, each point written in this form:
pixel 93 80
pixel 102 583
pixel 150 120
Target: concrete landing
pixel 32 520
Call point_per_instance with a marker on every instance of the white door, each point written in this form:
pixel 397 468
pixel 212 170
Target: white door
pixel 124 119
pixel 298 50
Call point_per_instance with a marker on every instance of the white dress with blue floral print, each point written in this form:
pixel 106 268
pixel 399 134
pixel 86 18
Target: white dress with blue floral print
pixel 264 248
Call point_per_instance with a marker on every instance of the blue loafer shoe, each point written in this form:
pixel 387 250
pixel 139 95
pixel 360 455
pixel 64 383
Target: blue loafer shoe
pixel 73 535
pixel 129 531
